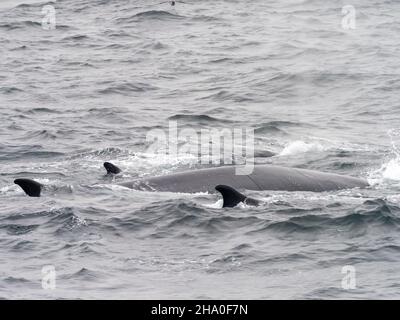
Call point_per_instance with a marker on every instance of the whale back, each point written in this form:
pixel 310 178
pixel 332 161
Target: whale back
pixel 293 179
pixel 263 177
pixel 202 180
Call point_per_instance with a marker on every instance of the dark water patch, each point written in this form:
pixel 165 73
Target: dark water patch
pixel 27 152
pixel 156 46
pixel 372 214
pixel 224 95
pixel 278 127
pixel 83 274
pixel 243 246
pixel 117 33
pixel 389 252
pixel 107 110
pixel 344 165
pixel 199 119
pixel 127 88
pixel 8 26
pixel 292 257
pixel 23 25
pixel 205 18
pixel 180 219
pixel 269 129
pixel 57 221
pixel 258 153
pixel 220 60
pixel 16 229
pixel 35 174
pixel 343 154
pixel 10 90
pixel 295 210
pixel 152 15
pixel 19 48
pixel 290 227
pixel 39 135
pixel 228 223
pixel 76 37
pixel 128 224
pixel 37 4
pixel 20 25
pixel 27 216
pixel 86 248
pixel 40 110
pixel 109 115
pixel 23 246
pixel 16 280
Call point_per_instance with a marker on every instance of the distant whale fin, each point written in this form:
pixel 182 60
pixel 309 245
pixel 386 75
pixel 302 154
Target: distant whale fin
pixel 111 169
pixel 31 188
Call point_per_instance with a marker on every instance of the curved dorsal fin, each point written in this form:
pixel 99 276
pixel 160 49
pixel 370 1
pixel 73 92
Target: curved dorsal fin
pixel 31 187
pixel 111 168
pixel 231 197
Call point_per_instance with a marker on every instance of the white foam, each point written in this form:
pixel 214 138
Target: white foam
pixel 300 146
pixel 391 171
pixel 12 190
pixel 216 205
pixel 388 173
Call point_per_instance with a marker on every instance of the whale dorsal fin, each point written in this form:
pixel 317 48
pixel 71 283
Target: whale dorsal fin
pixel 31 188
pixel 111 168
pixel 231 197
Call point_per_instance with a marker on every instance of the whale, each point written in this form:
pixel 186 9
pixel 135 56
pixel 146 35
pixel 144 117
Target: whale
pixel 264 177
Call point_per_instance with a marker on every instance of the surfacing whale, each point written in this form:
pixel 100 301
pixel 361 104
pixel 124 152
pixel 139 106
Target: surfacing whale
pixel 226 181
pixel 263 177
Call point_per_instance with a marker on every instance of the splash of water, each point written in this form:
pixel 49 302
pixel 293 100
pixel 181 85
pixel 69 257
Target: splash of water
pixel 299 146
pixel 390 170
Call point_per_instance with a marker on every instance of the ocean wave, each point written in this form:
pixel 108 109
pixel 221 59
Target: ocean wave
pixel 27 152
pixel 224 95
pixel 16 229
pixel 10 90
pixel 151 15
pixel 40 110
pixel 84 274
pixel 126 88
pixel 199 119
pixel 20 25
pixel 371 214
pixel 39 135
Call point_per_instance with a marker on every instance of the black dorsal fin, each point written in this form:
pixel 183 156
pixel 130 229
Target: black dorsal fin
pixel 31 187
pixel 231 197
pixel 111 168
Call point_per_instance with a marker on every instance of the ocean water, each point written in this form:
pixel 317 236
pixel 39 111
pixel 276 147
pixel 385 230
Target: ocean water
pixel 319 95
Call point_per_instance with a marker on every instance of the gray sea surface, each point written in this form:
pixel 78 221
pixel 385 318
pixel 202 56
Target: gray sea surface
pixel 319 95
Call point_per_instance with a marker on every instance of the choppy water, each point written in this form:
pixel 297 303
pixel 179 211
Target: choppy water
pixel 319 96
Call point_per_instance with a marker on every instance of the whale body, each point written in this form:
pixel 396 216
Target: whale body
pixel 226 181
pixel 263 177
